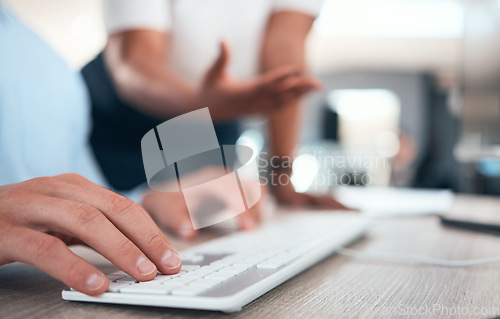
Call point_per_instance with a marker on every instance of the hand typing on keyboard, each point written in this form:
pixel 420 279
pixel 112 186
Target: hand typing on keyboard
pixel 39 217
pixel 228 272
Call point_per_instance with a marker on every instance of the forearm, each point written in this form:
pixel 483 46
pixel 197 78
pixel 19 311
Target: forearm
pixel 284 45
pixel 136 61
pixel 283 131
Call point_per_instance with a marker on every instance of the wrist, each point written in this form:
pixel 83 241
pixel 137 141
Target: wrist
pixel 279 171
pixel 283 163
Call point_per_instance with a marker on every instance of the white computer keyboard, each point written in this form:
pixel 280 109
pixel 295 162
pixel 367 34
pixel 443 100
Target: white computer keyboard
pixel 229 272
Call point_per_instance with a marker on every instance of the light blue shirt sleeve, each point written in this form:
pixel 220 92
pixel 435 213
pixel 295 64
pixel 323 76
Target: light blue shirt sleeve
pixel 44 111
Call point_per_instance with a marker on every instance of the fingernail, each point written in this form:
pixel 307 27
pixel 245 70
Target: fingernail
pixel 171 260
pixel 95 281
pixel 145 266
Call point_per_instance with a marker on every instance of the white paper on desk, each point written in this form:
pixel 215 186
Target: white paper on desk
pixel 394 202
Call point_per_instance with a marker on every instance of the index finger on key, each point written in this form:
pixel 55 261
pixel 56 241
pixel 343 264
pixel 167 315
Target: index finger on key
pixel 130 218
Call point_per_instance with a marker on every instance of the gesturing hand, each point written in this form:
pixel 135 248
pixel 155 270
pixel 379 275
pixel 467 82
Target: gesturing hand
pixel 228 98
pixel 39 217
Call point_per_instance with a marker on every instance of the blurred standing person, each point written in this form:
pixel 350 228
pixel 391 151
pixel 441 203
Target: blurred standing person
pixel 166 57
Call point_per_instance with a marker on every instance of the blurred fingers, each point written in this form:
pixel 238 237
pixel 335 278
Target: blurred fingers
pixel 250 218
pixel 218 68
pixel 170 211
pixel 326 202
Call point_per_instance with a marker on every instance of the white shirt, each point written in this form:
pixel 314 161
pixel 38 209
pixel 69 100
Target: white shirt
pixel 196 28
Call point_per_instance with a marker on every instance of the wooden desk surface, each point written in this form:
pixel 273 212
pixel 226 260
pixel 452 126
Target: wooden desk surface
pixel 337 287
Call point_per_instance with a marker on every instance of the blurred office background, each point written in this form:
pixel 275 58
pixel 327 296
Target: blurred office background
pixel 413 83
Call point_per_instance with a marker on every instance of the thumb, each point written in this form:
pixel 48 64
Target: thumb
pixel 218 68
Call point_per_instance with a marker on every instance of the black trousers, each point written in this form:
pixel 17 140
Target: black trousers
pixel 118 129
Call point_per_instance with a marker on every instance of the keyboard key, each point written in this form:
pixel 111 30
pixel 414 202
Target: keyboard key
pixel 179 274
pixel 145 289
pixel 193 258
pixel 158 280
pixel 249 262
pixel 229 260
pixel 213 267
pixel 189 267
pixel 222 275
pixel 270 265
pixel 189 290
pixel 235 269
pixel 206 282
pixel 223 262
pixel 203 271
pixel 119 273
pixel 115 287
pixel 127 279
pixel 194 275
pixel 180 280
pixel 169 285
pixel 114 277
pixel 165 277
